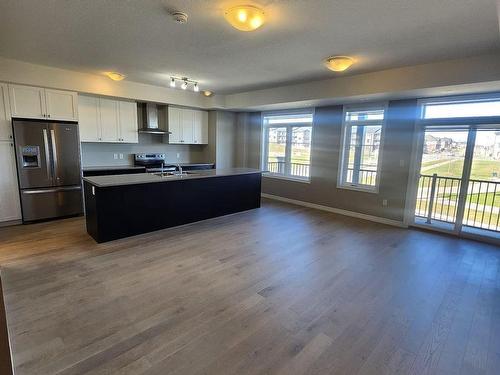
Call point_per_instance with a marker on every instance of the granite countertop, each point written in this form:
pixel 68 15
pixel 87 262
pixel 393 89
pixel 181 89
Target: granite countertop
pixel 112 168
pixel 147 178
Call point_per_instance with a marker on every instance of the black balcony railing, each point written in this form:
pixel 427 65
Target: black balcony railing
pixel 438 199
pixel 366 176
pixel 296 169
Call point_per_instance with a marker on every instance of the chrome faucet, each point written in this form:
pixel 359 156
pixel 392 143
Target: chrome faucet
pixel 180 168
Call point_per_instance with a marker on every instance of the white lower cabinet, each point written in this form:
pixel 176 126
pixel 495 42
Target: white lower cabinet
pixel 10 208
pixel 107 120
pixel 187 126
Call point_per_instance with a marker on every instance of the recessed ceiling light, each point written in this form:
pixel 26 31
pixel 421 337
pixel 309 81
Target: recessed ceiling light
pixel 339 63
pixel 115 76
pixel 245 17
pixel 207 93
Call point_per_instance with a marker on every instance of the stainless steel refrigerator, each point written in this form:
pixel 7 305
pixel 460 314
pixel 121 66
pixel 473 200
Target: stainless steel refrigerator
pixel 48 167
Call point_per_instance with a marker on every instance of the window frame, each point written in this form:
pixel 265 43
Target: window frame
pixel 345 145
pixel 288 144
pixel 485 120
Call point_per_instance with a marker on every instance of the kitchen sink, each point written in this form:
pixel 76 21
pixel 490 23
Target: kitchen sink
pixel 172 174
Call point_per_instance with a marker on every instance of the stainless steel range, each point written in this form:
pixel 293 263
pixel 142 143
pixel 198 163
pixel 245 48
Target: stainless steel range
pixel 153 163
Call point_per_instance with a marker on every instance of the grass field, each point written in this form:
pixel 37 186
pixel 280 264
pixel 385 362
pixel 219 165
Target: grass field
pixel 481 169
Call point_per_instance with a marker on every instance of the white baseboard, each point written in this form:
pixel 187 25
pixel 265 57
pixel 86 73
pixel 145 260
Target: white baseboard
pixel 10 223
pixel 339 211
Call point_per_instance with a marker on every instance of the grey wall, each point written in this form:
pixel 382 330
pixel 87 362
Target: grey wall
pixel 226 139
pixel 325 153
pixel 101 154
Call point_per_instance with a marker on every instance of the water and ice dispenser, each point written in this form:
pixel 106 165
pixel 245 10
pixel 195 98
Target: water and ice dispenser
pixel 30 156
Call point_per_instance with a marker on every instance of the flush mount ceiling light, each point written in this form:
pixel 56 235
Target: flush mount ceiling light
pixel 115 76
pixel 207 93
pixel 339 63
pixel 245 17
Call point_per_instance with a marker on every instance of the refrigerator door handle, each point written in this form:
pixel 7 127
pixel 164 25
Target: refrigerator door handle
pixel 56 190
pixel 54 152
pixel 47 154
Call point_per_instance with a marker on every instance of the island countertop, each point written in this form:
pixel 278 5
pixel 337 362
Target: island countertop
pixel 147 178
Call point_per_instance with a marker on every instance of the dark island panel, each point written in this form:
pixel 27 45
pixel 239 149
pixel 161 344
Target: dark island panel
pixel 121 211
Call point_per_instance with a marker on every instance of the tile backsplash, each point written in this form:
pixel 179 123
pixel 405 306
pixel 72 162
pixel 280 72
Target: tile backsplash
pixel 103 154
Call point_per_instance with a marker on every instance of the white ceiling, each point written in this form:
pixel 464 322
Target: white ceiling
pixel 138 37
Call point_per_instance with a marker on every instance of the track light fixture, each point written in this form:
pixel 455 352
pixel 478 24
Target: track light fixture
pixel 185 82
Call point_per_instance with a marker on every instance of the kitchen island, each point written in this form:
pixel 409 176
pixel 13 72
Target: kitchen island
pixel 119 206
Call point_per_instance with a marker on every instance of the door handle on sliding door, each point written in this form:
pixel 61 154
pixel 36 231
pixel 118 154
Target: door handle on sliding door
pixel 54 152
pixel 47 155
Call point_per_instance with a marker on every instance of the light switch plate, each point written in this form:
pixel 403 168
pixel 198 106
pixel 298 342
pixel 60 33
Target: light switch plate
pixel 121 156
pixel 115 156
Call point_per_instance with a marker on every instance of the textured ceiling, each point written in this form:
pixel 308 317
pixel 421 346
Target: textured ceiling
pixel 138 37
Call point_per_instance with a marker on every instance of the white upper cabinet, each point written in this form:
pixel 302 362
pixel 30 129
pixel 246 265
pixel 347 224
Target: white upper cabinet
pixel 174 125
pixel 187 126
pixel 40 103
pixel 88 118
pixel 127 113
pixel 5 121
pixel 107 120
pixel 10 208
pixel 27 101
pixel 200 127
pixel 61 105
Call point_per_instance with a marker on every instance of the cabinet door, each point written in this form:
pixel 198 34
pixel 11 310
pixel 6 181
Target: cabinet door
pixel 128 122
pixel 187 125
pixel 10 208
pixel 88 113
pixel 174 125
pixel 61 105
pixel 5 122
pixel 108 116
pixel 201 127
pixel 27 101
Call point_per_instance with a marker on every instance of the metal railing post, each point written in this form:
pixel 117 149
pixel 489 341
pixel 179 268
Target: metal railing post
pixel 431 199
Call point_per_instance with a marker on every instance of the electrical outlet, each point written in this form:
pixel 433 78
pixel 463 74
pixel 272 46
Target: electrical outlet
pixel 402 163
pixel 115 156
pixel 121 156
pixel 384 202
pixel 178 155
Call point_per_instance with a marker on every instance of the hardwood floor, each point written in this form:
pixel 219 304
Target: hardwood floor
pixel 278 290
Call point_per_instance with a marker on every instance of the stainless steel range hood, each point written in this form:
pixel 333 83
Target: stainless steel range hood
pixel 149 116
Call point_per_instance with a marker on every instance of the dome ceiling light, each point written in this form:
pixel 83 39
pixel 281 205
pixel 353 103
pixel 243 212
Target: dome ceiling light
pixel 245 17
pixel 115 76
pixel 339 63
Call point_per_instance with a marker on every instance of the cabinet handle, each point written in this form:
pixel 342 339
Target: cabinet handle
pixel 48 116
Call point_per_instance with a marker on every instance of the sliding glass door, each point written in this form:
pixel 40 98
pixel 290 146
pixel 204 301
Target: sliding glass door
pixel 456 184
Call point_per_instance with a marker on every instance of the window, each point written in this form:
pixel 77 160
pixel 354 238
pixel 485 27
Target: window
pixel 443 109
pixel 361 144
pixel 287 144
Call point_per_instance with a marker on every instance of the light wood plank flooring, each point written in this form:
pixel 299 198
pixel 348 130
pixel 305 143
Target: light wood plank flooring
pixel 278 290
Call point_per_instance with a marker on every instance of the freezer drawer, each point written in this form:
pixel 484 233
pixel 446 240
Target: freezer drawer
pixel 40 204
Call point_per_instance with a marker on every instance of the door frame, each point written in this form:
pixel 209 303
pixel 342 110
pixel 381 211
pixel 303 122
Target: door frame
pixel 472 124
